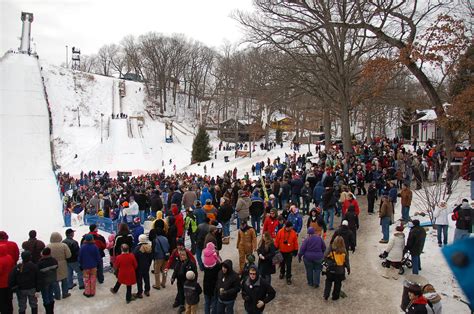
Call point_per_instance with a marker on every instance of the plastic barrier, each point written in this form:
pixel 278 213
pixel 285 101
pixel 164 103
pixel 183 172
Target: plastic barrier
pixel 105 224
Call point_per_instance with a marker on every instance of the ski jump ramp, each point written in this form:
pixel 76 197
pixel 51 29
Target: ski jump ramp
pixel 29 195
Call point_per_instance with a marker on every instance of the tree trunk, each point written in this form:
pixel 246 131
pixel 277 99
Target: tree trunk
pixel 369 124
pixel 346 128
pixel 327 128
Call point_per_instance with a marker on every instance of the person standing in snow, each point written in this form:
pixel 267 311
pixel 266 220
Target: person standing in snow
pixel 144 256
pixel 125 264
pixel 33 245
pixel 60 252
pixel 89 259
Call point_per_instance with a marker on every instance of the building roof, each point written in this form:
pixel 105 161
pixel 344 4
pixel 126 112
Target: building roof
pixel 426 115
pixel 278 116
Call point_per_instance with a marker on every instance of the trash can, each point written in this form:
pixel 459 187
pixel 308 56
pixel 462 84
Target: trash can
pixel 411 280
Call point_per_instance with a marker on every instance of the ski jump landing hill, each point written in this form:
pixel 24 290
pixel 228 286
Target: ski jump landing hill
pixel 29 196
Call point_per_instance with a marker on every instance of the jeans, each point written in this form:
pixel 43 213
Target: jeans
pixel 313 272
pixel 416 261
pixel 284 201
pixel 199 258
pixel 142 216
pixel 285 266
pixel 56 290
pixel 442 229
pixel 226 228
pixel 47 293
pixel 225 308
pixel 460 234
pixel 100 271
pixel 23 296
pixel 143 278
pixel 71 268
pixel 329 217
pixel 406 213
pixel 210 304
pixel 256 223
pixel 385 222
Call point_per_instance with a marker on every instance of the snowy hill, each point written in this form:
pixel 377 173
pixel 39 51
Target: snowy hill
pixel 82 106
pixel 28 190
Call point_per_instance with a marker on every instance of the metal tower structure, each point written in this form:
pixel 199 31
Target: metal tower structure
pixel 76 58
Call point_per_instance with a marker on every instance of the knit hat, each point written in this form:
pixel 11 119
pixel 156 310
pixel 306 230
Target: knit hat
pixel 345 223
pixel 143 238
pixel 136 220
pixel 190 275
pixel 88 238
pixel 310 230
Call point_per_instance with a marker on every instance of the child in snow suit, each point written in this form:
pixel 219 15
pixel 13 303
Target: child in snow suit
pixel 192 290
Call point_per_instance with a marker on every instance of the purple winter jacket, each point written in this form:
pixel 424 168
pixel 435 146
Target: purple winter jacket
pixel 312 248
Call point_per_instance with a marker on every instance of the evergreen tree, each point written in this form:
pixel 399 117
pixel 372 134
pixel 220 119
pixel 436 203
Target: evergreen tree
pixel 201 147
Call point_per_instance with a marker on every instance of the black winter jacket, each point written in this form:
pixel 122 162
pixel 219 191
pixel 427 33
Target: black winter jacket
pixel 416 240
pixel 73 246
pixel 254 291
pixel 229 282
pixel 25 276
pixel 192 290
pixel 47 267
pixel 144 256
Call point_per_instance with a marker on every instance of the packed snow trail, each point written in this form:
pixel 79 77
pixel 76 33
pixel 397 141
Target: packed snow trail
pixel 29 197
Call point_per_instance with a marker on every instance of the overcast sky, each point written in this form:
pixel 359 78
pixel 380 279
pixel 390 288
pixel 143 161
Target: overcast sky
pixel 89 24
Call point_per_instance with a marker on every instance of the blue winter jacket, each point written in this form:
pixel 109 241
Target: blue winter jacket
pixel 318 192
pixel 136 232
pixel 392 194
pixel 296 220
pixel 200 215
pixel 205 195
pixel 89 256
pixel 160 251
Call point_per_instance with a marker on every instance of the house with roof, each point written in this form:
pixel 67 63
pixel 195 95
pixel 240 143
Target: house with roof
pixel 279 120
pixel 424 126
pixel 232 130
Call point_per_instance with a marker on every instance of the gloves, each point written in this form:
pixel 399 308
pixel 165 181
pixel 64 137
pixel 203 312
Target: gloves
pixel 260 304
pixel 261 256
pixel 348 271
pixel 295 253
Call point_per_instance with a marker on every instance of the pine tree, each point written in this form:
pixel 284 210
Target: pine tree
pixel 201 147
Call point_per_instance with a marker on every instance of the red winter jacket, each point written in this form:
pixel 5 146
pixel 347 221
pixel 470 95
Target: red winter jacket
pixel 6 266
pixel 12 249
pixel 179 220
pixel 270 225
pixel 348 203
pixel 126 265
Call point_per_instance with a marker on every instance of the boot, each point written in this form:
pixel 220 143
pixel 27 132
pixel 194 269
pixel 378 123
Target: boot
pixel 386 273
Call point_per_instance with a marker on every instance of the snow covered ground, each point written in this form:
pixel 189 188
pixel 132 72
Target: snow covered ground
pixel 29 195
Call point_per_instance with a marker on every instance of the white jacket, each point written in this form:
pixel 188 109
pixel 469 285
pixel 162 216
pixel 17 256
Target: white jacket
pixel 441 216
pixel 395 247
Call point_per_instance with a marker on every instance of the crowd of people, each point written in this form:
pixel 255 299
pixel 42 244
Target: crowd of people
pixel 180 222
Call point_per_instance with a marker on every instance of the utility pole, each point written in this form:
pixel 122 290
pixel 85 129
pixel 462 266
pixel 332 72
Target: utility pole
pixel 66 56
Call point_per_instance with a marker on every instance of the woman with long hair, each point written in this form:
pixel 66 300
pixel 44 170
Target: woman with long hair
pixel 266 252
pixel 338 261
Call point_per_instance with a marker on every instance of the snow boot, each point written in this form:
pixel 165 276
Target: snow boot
pixel 386 273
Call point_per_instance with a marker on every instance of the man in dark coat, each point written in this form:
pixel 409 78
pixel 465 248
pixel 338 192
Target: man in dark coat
pixel 415 244
pixel 256 292
pixel 33 245
pixel 346 234
pixel 227 288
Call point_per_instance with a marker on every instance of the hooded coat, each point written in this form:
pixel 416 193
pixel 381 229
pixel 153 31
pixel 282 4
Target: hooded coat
pixel 205 195
pixel 243 205
pixel 179 221
pixel 395 247
pixel 210 256
pixel 254 291
pixel 144 256
pixel 126 265
pixel 61 253
pixel 6 266
pixel 229 282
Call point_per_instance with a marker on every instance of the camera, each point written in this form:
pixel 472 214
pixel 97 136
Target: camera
pixel 285 242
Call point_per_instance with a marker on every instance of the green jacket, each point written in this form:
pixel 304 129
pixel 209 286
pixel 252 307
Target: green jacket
pixel 190 223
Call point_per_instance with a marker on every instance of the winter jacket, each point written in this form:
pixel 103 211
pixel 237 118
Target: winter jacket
pixel 201 233
pixel 441 216
pixel 395 247
pixel 144 256
pixel 6 265
pixel 270 225
pixel 224 214
pixel 312 249
pixel 11 248
pixel 99 242
pixel 73 246
pixel 352 219
pixel 89 256
pixel 341 259
pixel 190 224
pixel 229 282
pixel 179 221
pixel 286 241
pixel 60 252
pixel 318 192
pixel 172 234
pixel 174 258
pixel 265 266
pixel 210 279
pixel 47 267
pixel 386 210
pixel 296 220
pixel 317 222
pixel 296 186
pixel 137 230
pixel 156 203
pixel 348 203
pixel 247 239
pixel 416 240
pixel 126 265
pixel 328 199
pixel 243 207
pixel 192 290
pixel 406 197
pixel 200 215
pixel 122 239
pixel 209 255
pixel 177 198
pixel 182 267
pixel 25 276
pixel 347 235
pixel 254 291
pixel 161 247
pixel 392 195
pixel 256 208
pixel 464 217
pixel 205 195
pixel 34 246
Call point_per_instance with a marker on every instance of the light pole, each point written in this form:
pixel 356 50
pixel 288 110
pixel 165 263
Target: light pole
pixel 66 56
pixel 101 119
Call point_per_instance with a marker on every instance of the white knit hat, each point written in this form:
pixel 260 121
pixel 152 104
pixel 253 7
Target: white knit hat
pixel 143 238
pixel 190 275
pixel 345 223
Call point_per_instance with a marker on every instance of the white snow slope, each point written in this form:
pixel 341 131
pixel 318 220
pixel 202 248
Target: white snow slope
pixel 29 197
